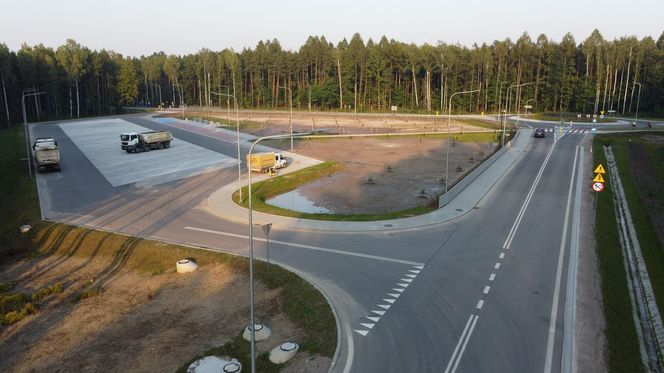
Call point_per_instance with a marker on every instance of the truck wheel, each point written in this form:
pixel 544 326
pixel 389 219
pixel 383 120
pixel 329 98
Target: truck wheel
pixel 167 145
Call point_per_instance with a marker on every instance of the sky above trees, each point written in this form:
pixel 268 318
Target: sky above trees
pixel 137 28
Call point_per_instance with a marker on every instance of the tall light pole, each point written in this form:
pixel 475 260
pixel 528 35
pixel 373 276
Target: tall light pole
pixel 508 99
pixel 636 117
pixel 237 127
pixel 449 123
pixel 500 96
pixel 290 120
pixel 26 93
pixel 251 246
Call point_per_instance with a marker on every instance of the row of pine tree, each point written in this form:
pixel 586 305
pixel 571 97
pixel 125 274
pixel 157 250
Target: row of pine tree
pixel 591 76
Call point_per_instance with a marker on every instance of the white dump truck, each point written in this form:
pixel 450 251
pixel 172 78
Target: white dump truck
pixel 264 162
pixel 134 142
pixel 46 154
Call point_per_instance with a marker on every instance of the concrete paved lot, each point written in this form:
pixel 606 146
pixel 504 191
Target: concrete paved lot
pixel 99 140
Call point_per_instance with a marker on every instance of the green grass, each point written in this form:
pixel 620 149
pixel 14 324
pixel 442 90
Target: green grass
pixel 18 194
pixel 567 117
pixel 620 331
pixel 16 306
pixel 652 249
pixel 483 123
pixel 264 190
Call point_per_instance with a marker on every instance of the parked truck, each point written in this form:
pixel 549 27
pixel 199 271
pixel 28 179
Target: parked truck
pixel 46 154
pixel 134 142
pixel 264 162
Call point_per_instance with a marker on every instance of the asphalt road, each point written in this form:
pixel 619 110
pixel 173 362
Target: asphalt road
pixel 428 285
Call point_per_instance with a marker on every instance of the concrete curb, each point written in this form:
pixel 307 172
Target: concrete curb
pixel 221 202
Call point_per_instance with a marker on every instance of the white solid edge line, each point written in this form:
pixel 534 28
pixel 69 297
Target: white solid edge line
pixel 302 246
pixel 548 362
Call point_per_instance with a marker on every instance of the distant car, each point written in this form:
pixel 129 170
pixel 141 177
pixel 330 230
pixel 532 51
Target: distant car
pixel 540 132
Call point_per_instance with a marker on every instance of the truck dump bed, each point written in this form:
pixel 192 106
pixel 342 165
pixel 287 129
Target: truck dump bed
pixel 153 137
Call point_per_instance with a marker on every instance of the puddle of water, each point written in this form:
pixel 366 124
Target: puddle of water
pixel 293 200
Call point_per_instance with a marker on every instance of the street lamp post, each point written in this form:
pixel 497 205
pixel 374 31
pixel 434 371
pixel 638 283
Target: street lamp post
pixel 237 127
pixel 290 120
pixel 500 96
pixel 449 123
pixel 26 93
pixel 636 117
pixel 508 99
pixel 251 246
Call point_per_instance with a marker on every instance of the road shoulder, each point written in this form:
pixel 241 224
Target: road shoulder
pixel 591 345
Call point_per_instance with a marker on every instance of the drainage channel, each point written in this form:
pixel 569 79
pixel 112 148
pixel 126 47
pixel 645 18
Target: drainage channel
pixel 647 318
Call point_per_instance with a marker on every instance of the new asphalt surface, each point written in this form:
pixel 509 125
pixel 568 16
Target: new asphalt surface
pixel 474 291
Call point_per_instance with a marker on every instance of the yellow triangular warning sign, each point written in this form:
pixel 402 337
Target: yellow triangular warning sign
pixel 598 178
pixel 600 170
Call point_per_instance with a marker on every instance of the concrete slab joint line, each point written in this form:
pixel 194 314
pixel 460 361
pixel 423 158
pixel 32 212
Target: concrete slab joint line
pixel 644 306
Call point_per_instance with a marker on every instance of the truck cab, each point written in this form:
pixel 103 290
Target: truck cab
pixel 128 139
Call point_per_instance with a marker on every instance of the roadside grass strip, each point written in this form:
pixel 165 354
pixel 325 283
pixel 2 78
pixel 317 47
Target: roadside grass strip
pixel 623 346
pixel 264 190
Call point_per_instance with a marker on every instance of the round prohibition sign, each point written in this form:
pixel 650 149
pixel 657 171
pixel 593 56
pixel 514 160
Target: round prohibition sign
pixel 598 187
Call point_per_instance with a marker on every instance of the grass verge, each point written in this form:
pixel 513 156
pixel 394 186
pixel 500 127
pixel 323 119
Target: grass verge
pixel 652 249
pixel 623 347
pixel 555 117
pixel 18 193
pixel 264 190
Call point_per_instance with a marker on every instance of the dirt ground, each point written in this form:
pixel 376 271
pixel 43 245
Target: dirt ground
pixel 591 344
pixel 138 323
pixel 380 174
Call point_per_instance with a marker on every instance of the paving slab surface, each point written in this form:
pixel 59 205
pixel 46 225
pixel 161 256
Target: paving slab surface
pixel 99 140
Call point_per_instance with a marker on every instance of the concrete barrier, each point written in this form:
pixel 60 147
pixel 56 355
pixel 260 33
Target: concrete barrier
pixel 470 177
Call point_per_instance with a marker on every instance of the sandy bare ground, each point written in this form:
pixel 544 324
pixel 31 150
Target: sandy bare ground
pixel 380 174
pixel 139 323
